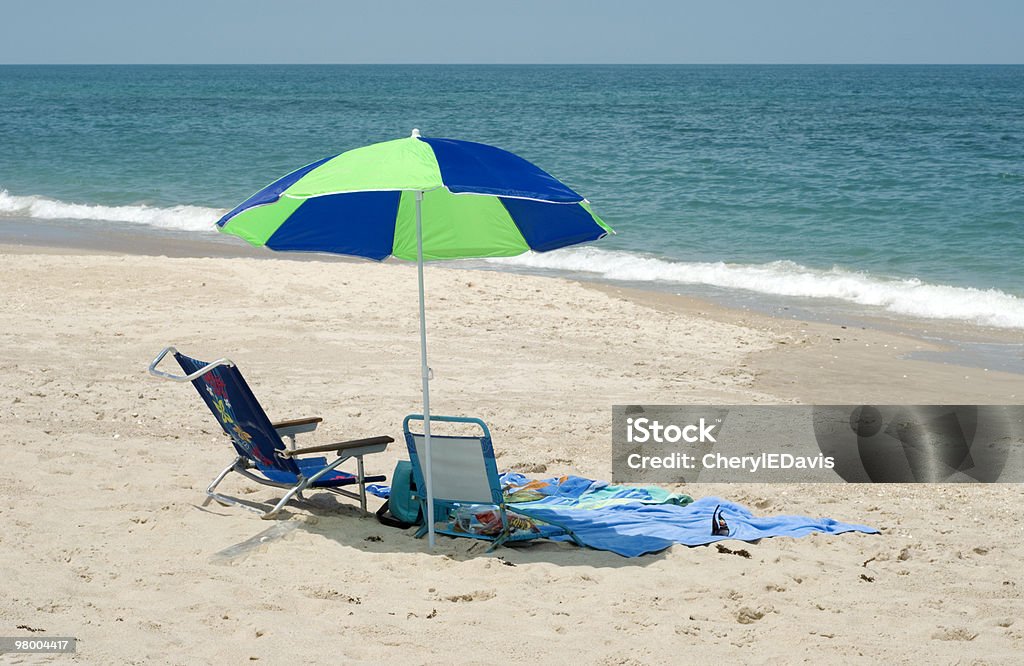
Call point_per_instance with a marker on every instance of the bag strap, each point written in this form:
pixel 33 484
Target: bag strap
pixel 385 518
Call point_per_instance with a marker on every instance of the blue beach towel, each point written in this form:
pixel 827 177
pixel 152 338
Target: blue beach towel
pixel 636 529
pixel 633 520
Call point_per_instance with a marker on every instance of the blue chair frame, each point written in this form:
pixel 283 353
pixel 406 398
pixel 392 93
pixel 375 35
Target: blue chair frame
pixel 444 504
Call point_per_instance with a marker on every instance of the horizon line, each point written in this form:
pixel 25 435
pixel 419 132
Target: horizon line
pixel 511 64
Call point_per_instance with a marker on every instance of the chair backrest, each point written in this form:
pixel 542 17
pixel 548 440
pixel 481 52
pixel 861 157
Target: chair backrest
pixel 239 413
pixel 463 467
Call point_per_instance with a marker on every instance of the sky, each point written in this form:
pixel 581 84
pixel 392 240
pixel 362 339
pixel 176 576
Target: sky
pixel 523 31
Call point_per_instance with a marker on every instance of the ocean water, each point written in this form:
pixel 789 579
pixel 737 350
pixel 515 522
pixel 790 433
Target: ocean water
pixel 896 190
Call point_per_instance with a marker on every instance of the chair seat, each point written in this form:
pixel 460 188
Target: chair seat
pixel 309 467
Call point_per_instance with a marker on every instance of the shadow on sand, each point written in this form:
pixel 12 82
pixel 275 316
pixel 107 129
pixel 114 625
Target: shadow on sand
pixel 326 516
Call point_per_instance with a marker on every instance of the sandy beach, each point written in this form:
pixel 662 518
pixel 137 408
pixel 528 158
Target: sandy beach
pixel 104 537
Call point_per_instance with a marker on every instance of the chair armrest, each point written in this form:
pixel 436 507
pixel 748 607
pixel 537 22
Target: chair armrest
pixel 296 426
pixel 376 443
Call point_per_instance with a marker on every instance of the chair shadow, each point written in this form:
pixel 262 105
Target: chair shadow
pixel 327 516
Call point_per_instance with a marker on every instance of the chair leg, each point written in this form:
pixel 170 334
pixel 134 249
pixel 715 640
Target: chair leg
pixel 284 500
pixel 423 529
pixel 221 499
pixel 295 491
pixel 299 487
pixel 362 485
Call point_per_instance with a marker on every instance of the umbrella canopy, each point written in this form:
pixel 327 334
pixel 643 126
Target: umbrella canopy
pixel 417 198
pixel 362 203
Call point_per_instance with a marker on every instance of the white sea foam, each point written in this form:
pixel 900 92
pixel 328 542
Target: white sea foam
pixel 987 307
pixel 185 218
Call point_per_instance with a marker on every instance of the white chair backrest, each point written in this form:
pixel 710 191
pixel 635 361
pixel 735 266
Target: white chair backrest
pixel 459 473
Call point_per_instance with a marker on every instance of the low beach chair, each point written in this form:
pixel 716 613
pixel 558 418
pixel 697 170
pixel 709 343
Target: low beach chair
pixel 465 474
pixel 261 452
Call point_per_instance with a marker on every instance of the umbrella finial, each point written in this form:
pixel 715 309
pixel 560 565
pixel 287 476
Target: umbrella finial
pixel 415 133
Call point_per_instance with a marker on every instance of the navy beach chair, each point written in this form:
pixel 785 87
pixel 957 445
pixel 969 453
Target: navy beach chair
pixel 261 454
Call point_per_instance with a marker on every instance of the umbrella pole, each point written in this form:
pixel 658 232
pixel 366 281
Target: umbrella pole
pixel 426 373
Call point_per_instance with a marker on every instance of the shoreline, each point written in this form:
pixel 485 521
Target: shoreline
pixel 833 363
pixel 951 345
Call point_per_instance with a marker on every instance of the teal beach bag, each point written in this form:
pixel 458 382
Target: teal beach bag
pixel 401 509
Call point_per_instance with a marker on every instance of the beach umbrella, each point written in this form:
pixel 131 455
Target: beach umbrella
pixel 419 199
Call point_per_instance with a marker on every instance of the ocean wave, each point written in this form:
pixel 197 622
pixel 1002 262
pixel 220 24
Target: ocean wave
pixel 184 218
pixel 986 307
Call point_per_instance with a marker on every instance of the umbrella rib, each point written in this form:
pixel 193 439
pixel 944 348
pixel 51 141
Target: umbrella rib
pixel 380 189
pixel 431 189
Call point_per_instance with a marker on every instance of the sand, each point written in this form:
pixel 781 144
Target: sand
pixel 104 537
